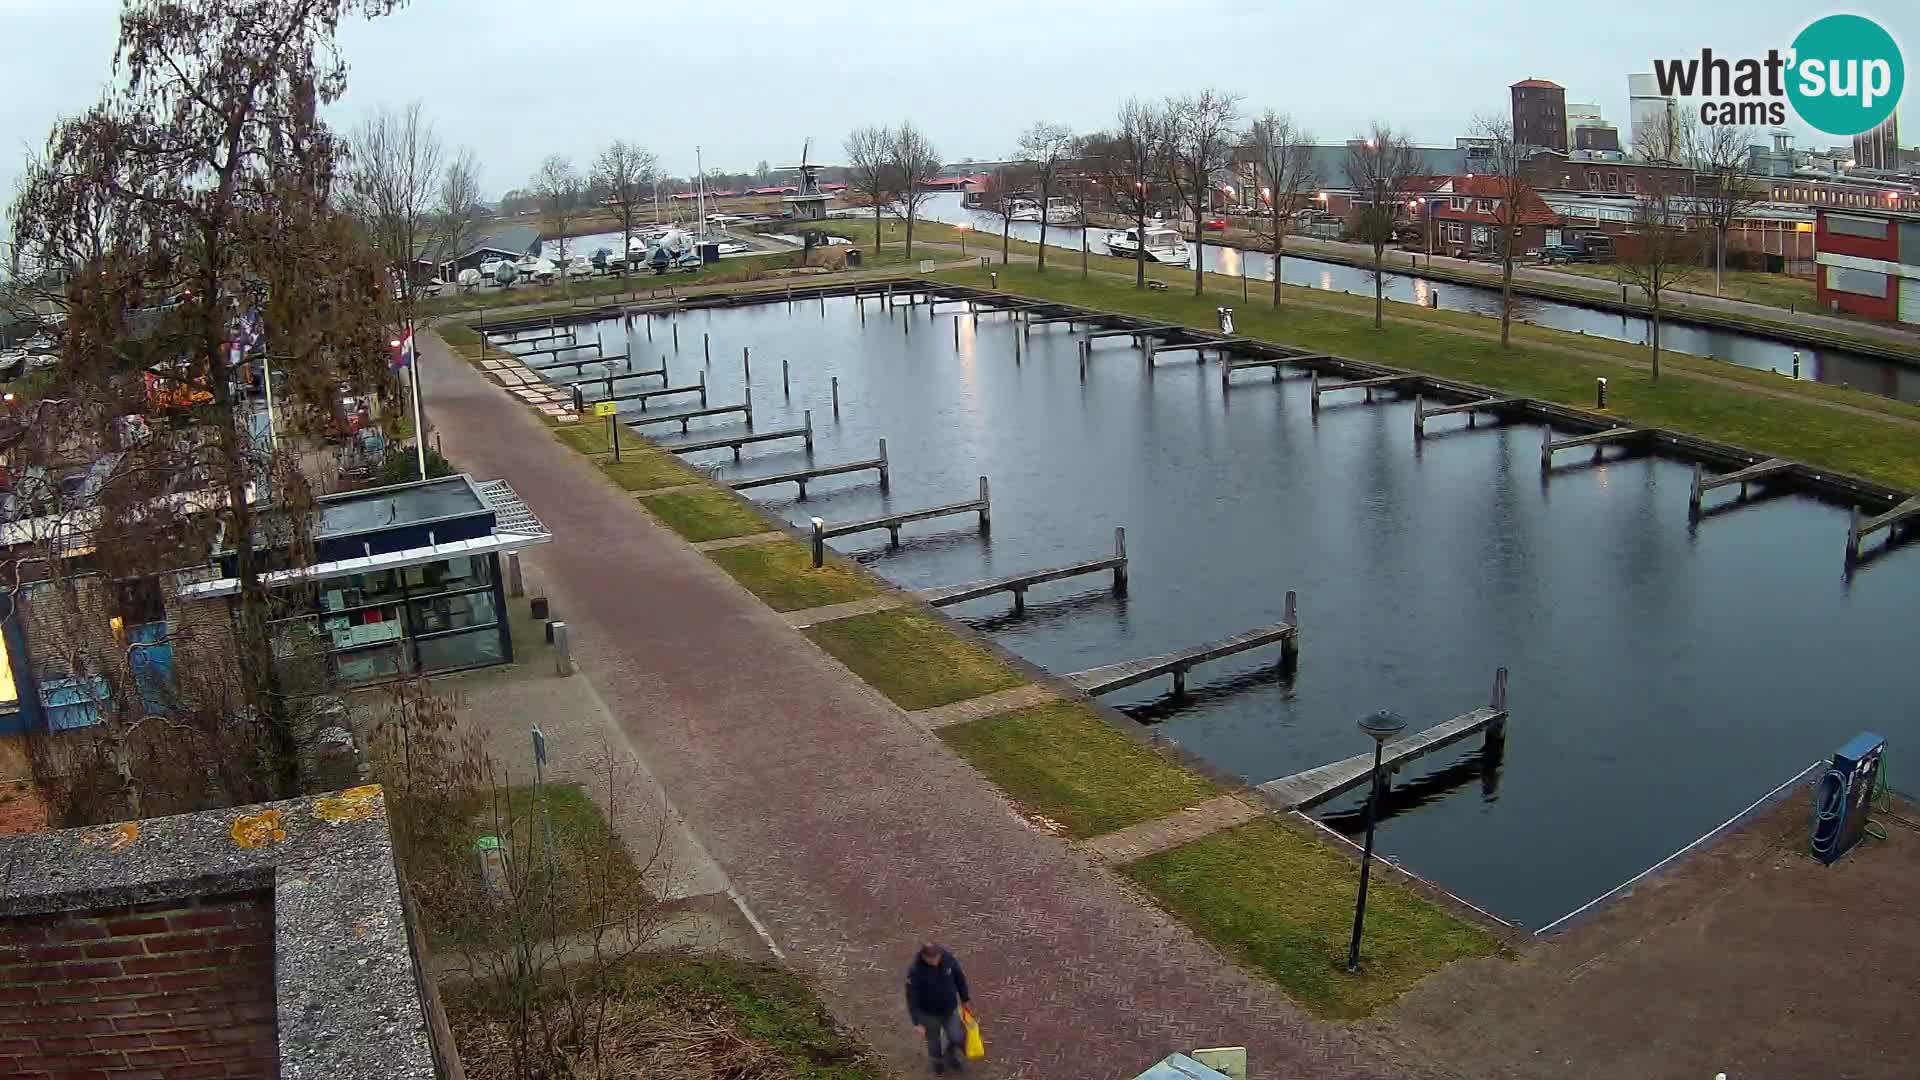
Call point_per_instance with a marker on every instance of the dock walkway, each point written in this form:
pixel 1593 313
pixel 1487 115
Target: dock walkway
pixel 822 531
pixel 1018 584
pixel 1111 677
pixel 802 477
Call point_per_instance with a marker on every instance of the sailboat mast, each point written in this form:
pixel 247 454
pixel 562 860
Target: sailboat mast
pixel 700 193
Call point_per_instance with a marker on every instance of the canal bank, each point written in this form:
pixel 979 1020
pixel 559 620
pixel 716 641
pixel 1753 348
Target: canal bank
pixel 1755 347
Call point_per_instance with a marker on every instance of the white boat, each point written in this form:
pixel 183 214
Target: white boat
pixel 534 268
pixel 1062 211
pixel 1163 245
pixel 1023 210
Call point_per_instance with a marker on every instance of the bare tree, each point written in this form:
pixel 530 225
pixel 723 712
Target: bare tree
pixel 1046 146
pixel 1006 186
pixel 1283 157
pixel 1203 129
pixel 1127 162
pixel 914 162
pixel 393 178
pixel 869 170
pixel 559 187
pixel 626 171
pixel 1513 195
pixel 1723 193
pixel 206 184
pixel 460 209
pixel 1660 254
pixel 1380 168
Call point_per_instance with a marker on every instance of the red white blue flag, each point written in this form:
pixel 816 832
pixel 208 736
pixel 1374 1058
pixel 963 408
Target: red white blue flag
pixel 402 351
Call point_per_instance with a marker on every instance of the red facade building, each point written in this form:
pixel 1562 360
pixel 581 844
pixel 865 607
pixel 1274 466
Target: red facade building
pixel 1540 114
pixel 1869 263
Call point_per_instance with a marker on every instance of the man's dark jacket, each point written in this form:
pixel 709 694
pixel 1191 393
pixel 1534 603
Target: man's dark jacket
pixel 935 990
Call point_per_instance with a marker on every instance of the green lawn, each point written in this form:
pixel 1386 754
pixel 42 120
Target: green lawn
pixel 914 660
pixel 1795 426
pixel 1281 903
pixel 781 573
pixel 707 514
pixel 1773 290
pixel 642 466
pixel 1062 761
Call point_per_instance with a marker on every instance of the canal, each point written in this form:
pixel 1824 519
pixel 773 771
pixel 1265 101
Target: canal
pixel 1835 366
pixel 1662 677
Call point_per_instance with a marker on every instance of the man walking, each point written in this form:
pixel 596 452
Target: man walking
pixel 936 988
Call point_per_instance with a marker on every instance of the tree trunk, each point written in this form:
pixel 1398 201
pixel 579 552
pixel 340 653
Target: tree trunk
pixel 910 210
pixel 626 240
pixel 1653 337
pixel 1506 289
pixel 1006 230
pixel 1083 243
pixel 1199 251
pixel 1043 229
pixel 1279 239
pixel 1140 249
pixel 1378 288
pixel 1719 259
pixel 876 228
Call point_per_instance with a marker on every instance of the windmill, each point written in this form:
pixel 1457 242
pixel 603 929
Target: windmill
pixel 811 203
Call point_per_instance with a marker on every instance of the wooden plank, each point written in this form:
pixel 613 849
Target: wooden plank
pixel 1111 677
pixel 594 345
pixel 1908 509
pixel 1753 472
pixel 1361 384
pixel 735 442
pixel 555 335
pixel 1470 406
pixel 644 396
pixel 582 380
pixel 1272 361
pixel 691 414
pixel 803 475
pixel 973 590
pixel 894 521
pixel 1597 438
pixel 1314 786
pixel 1131 331
pixel 1203 343
pixel 578 366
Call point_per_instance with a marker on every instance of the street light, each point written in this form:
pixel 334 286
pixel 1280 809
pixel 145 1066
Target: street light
pixel 1380 726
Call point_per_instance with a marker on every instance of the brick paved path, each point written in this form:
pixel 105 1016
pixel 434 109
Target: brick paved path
pixel 850 830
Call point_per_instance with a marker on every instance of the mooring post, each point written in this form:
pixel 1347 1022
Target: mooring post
pixel 676 335
pixel 1019 599
pixel 1083 361
pixel 1313 389
pixel 746 362
pixel 1147 341
pixel 1853 537
pixel 1497 730
pixel 649 326
pixel 819 538
pixel 786 389
pixel 1546 450
pixel 1120 554
pixel 807 418
pixel 956 333
pixel 749 408
pixel 1420 417
pixel 1600 393
pixel 516 585
pixel 789 298
pixel 1695 493
pixel 823 304
pixel 1179 682
pixel 706 346
pixel 1016 344
pixel 1290 645
pixel 836 397
pixel 1796 363
pixel 885 483
pixel 986 508
pixel 703 389
pixel 863 312
pixel 664 377
pixel 562 648
pixel 579 400
pixel 906 323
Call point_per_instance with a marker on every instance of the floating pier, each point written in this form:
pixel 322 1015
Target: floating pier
pixel 1018 584
pixel 503 340
pixel 1224 344
pixel 745 409
pixel 735 442
pixel 1422 412
pixel 1228 365
pixel 1314 786
pixel 584 379
pixel 982 506
pixel 1103 680
pixel 1368 384
pixel 579 366
pixel 803 476
pixel 1134 331
pixel 1598 439
pixel 644 396
pixel 594 345
pixel 1860 527
pixel 1703 483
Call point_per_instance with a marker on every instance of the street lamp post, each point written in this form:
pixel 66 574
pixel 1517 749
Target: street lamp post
pixel 1381 726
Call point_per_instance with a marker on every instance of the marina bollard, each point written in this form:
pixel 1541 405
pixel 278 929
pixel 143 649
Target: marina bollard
pixel 1600 393
pixel 785 389
pixel 562 648
pixel 819 543
pixel 836 397
pixel 1796 363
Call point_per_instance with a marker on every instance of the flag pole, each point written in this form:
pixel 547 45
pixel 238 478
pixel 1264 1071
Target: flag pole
pixel 419 430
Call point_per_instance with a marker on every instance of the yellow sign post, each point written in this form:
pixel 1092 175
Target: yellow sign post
pixel 604 408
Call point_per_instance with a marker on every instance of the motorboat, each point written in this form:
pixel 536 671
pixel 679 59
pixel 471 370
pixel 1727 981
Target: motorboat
pixel 578 266
pixel 1162 245
pixel 535 268
pixel 1023 210
pixel 1062 211
pixel 673 250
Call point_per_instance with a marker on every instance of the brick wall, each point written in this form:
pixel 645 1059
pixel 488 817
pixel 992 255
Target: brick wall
pixel 177 990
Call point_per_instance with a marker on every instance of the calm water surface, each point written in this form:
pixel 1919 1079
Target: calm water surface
pixel 1662 677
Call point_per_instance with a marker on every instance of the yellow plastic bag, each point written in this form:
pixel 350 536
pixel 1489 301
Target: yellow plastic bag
pixel 976 1046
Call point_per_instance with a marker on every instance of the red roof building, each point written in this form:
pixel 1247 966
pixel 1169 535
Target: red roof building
pixel 1464 214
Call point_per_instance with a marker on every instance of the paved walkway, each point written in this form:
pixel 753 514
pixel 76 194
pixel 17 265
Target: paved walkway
pixel 847 828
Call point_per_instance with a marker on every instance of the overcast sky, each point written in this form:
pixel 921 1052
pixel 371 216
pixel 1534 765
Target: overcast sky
pixel 749 80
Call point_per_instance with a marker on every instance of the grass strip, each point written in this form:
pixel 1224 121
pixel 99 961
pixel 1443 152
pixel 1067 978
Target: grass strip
pixel 1281 903
pixel 781 573
pixel 1786 426
pixel 706 514
pixel 1061 761
pixel 914 660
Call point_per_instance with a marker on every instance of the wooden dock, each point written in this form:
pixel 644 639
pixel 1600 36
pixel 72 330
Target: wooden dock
pixel 735 442
pixel 583 379
pixel 1368 384
pixel 1859 529
pixel 644 396
pixel 822 531
pixel 1229 365
pixel 803 476
pixel 579 366
pixel 552 335
pixel 745 409
pixel 1703 483
pixel 1597 440
pixel 1111 677
pixel 545 350
pixel 1018 584
pixel 1133 331
pixel 1422 412
pixel 1224 344
pixel 1069 319
pixel 1314 786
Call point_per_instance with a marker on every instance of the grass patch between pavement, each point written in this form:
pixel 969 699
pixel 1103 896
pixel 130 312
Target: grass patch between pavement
pixel 706 514
pixel 1062 761
pixel 781 573
pixel 911 658
pixel 1282 903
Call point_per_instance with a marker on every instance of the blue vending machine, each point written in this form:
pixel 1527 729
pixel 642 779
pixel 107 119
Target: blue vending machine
pixel 1842 799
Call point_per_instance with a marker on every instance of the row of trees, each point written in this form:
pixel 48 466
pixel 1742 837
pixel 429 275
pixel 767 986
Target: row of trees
pixel 890 167
pixel 623 178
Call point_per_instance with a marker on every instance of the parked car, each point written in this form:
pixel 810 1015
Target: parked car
pixel 1214 224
